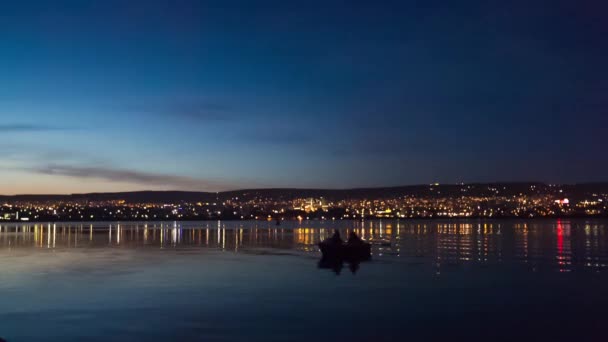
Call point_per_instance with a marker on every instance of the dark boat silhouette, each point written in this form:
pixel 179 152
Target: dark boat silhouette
pixel 354 250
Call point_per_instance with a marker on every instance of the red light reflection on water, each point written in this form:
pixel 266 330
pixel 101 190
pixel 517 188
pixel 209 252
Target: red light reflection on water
pixel 560 238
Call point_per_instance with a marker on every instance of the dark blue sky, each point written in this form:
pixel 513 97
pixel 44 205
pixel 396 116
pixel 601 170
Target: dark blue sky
pixel 126 95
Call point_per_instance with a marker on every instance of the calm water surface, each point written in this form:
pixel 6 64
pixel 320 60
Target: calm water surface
pixel 540 280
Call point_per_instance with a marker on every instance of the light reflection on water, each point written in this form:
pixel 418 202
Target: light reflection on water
pixel 561 245
pixel 255 281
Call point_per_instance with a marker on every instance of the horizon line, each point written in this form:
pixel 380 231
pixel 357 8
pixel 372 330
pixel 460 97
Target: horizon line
pixel 304 188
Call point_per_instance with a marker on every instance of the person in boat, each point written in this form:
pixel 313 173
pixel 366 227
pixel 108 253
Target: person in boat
pixel 357 249
pixel 336 239
pixel 354 239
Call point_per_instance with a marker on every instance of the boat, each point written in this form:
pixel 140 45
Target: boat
pixel 331 249
pixel 353 250
pixel 357 251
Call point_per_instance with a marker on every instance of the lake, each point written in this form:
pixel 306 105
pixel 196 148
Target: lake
pixel 541 280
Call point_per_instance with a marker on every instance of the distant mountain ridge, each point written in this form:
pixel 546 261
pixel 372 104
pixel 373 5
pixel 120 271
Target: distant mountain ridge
pixel 429 190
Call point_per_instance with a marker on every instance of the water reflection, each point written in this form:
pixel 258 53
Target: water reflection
pixel 336 265
pixel 560 245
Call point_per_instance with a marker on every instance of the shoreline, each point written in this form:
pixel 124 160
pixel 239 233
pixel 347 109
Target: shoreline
pixel 502 218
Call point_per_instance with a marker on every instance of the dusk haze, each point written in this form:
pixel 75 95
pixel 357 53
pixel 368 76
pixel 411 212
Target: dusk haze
pixel 103 96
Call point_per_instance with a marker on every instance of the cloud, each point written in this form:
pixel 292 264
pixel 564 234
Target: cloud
pixel 172 182
pixel 190 109
pixel 16 128
pixel 32 152
pixel 205 111
pixel 278 136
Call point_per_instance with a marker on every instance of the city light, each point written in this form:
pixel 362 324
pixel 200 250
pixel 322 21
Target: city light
pixel 437 201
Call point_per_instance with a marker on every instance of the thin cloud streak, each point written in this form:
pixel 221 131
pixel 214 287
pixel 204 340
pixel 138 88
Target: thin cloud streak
pixel 16 128
pixel 278 136
pixel 202 111
pixel 171 182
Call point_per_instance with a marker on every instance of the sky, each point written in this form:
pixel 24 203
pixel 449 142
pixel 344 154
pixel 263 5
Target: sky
pixel 99 96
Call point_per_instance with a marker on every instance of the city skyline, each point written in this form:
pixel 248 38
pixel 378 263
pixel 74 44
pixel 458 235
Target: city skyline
pixel 431 201
pixel 108 96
